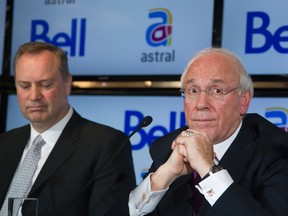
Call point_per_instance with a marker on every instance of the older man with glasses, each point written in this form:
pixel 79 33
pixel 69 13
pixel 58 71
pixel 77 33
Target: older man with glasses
pixel 238 162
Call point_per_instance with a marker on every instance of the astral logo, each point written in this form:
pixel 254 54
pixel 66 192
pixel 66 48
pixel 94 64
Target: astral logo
pixel 40 32
pixel 278 116
pixel 160 33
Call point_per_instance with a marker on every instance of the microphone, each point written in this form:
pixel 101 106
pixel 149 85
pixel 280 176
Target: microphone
pixel 144 123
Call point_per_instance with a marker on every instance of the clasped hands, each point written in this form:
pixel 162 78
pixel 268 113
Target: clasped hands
pixel 192 151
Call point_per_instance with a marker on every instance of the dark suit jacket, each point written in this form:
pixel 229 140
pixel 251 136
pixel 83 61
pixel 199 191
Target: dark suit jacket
pixel 257 161
pixel 81 176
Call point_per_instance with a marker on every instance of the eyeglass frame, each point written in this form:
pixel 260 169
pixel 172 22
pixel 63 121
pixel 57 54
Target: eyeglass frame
pixel 208 92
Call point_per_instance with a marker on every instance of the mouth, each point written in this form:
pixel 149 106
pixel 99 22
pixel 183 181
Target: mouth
pixel 36 108
pixel 203 122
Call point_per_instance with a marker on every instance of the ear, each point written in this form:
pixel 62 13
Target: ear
pixel 245 102
pixel 68 84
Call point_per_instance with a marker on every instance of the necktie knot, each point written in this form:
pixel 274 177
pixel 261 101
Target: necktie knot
pixel 37 143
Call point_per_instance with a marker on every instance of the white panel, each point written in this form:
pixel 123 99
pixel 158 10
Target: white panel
pixel 258 33
pixel 110 36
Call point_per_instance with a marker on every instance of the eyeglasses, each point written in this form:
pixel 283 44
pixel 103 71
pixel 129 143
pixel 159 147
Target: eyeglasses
pixel 215 93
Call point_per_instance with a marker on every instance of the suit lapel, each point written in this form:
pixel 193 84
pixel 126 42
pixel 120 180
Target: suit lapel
pixel 236 158
pixel 64 147
pixel 239 154
pixel 15 144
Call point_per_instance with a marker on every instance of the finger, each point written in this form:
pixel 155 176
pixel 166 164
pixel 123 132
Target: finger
pixel 174 144
pixel 188 133
pixel 182 150
pixel 181 138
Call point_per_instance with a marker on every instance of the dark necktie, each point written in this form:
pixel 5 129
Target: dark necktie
pixel 197 196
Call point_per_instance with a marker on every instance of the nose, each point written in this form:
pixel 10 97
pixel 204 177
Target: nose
pixel 35 93
pixel 203 101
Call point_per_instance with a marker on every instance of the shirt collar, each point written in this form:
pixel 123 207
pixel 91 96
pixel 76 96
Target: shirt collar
pixel 222 147
pixel 53 133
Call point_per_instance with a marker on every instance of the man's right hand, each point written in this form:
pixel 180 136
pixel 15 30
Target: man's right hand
pixel 176 166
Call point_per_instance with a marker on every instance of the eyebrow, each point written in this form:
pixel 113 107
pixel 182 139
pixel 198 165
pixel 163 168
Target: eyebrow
pixel 211 81
pixel 38 82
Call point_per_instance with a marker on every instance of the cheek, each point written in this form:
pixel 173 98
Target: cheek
pixel 52 97
pixel 228 115
pixel 188 109
pixel 22 97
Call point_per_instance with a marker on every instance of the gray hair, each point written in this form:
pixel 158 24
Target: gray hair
pixel 246 83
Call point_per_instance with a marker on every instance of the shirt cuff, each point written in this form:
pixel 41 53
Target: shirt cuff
pixel 142 200
pixel 215 185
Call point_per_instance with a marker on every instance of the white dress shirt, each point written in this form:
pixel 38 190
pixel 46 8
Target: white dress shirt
pixel 50 137
pixel 143 201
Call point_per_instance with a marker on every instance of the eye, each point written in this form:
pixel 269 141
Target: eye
pixel 192 90
pixel 24 85
pixel 216 91
pixel 46 84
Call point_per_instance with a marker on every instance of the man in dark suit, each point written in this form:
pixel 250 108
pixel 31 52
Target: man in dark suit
pixel 225 162
pixel 83 170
